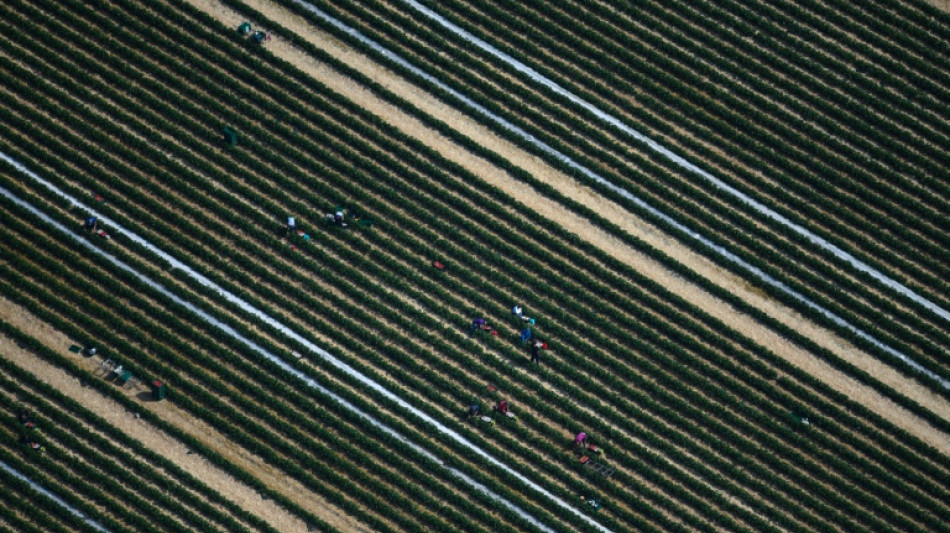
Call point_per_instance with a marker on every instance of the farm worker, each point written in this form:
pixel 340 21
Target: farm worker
pixel 503 407
pixel 536 352
pixel 516 310
pixel 474 410
pixel 525 334
pixel 580 439
pixel 478 323
pixel 338 217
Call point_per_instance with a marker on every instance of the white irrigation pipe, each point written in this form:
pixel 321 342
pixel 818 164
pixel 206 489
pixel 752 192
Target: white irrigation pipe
pixel 657 147
pixel 53 497
pixel 757 272
pixel 326 356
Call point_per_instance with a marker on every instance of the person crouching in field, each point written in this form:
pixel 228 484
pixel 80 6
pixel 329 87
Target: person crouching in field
pixel 477 324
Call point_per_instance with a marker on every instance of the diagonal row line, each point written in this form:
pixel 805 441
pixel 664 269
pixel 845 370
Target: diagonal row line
pixel 683 163
pixel 316 350
pixel 563 158
pixel 39 488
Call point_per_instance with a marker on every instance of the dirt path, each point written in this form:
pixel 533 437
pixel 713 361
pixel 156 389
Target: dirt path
pixel 608 243
pixel 161 443
pixel 940 4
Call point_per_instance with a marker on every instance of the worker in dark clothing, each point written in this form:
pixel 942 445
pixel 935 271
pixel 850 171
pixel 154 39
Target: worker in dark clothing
pixel 536 352
pixel 474 410
pixel 477 324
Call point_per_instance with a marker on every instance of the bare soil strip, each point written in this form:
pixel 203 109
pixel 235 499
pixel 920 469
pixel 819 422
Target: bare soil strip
pixel 575 224
pixel 159 442
pixel 940 4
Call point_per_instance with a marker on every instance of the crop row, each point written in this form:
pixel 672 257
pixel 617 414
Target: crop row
pixel 460 67
pixel 109 390
pixel 826 271
pixel 98 461
pixel 718 39
pixel 44 514
pixel 596 219
pixel 740 60
pixel 830 273
pixel 69 415
pixel 270 437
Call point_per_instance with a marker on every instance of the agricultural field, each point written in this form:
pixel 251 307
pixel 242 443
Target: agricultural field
pixel 727 221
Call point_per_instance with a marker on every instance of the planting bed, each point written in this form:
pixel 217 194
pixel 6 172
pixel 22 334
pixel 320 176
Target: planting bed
pixel 703 426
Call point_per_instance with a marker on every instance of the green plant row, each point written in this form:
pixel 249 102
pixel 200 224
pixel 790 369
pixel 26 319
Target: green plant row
pixel 919 21
pixel 134 367
pixel 218 407
pixel 613 58
pixel 68 414
pixel 880 49
pixel 110 391
pixel 45 515
pixel 116 477
pixel 863 344
pixel 592 36
pixel 45 470
pixel 596 219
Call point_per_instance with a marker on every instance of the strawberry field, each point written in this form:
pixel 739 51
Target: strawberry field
pixel 830 115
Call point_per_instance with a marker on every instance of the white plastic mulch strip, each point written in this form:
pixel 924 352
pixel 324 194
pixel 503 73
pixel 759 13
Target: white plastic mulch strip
pixel 15 473
pixel 757 272
pixel 680 161
pixel 323 354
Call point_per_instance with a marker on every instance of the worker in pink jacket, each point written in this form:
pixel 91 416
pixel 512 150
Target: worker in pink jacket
pixel 580 439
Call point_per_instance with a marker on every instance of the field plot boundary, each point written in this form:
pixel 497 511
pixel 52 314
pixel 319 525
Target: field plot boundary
pixel 39 488
pixel 720 250
pixel 683 163
pixel 175 263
